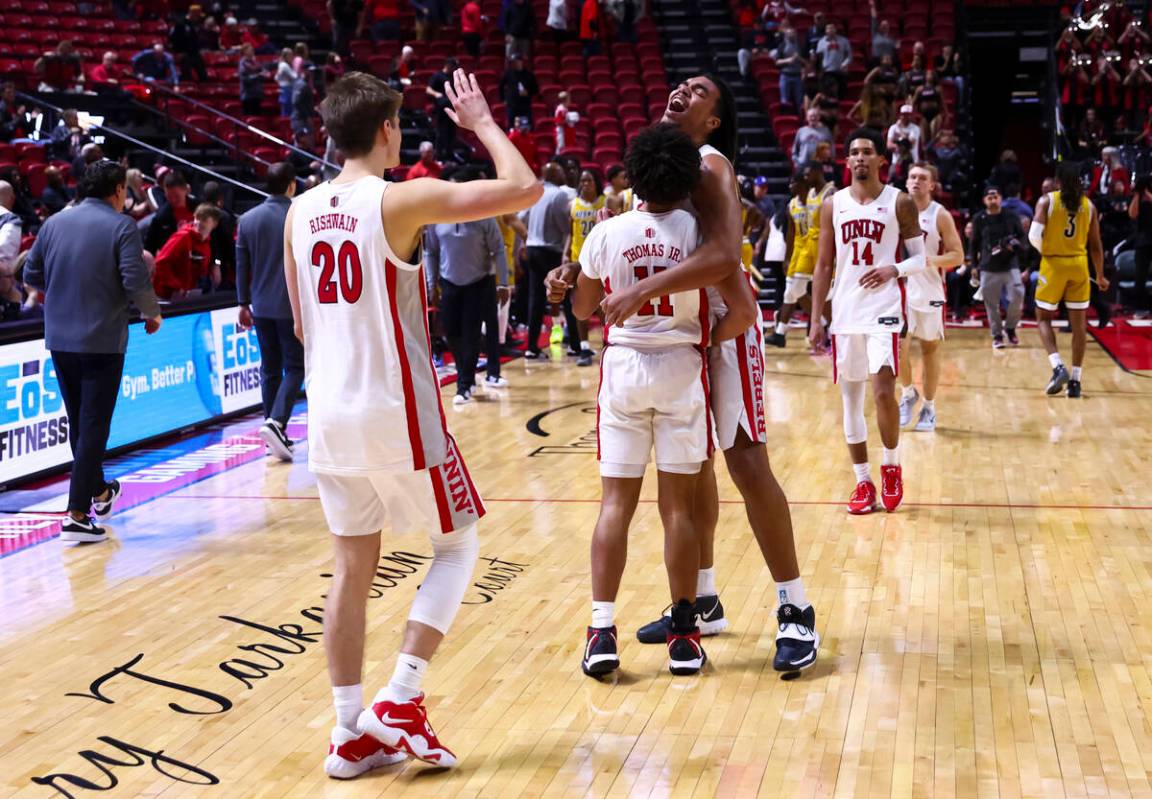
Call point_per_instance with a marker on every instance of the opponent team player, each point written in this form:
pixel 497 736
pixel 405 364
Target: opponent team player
pixel 861 228
pixel 1066 231
pixel 801 260
pixel 377 438
pixel 653 388
pixel 926 297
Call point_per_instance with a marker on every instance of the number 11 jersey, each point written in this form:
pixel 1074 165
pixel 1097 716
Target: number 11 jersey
pixel 867 236
pixel 373 394
pixel 626 249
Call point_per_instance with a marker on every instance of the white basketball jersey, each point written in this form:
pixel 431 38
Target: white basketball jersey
pixel 867 236
pixel 926 288
pixel 624 250
pixel 373 394
pixel 716 303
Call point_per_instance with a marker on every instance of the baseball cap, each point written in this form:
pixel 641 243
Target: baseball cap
pixel 760 181
pixel 991 188
pixel 905 109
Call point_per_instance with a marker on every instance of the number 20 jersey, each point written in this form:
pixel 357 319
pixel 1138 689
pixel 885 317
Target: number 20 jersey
pixel 373 394
pixel 867 236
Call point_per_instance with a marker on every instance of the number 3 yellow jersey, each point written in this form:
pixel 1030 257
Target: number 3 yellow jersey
pixel 583 220
pixel 1066 234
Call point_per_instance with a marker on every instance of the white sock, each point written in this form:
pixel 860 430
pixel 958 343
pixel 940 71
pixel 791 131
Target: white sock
pixel 930 405
pixel 407 680
pixel 781 329
pixel 1055 360
pixel 706 582
pixel 863 475
pixel 584 345
pixel 792 593
pixel 603 614
pixel 1076 372
pixel 349 701
pixel 891 456
pixel 908 391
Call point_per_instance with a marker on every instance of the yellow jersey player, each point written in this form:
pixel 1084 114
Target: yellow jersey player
pixel 586 209
pixel 1066 231
pixel 801 259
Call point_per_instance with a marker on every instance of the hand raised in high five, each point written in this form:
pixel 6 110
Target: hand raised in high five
pixel 469 107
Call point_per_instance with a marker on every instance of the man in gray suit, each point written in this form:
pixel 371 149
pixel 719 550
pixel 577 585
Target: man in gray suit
pixel 89 262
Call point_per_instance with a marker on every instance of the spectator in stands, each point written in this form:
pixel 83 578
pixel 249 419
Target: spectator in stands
pixel 814 34
pixel 285 78
pixel 60 70
pixel 11 228
pixel 872 110
pixel 808 136
pixel 67 138
pixel 618 185
pixel 333 69
pixel 176 211
pixel 590 27
pixel 948 66
pixel 1108 171
pixel 834 56
pixel 1106 86
pixel 210 35
pixel 518 20
pixel 883 43
pixel 1140 212
pixel 185 41
pixel 1090 135
pixel 251 75
pixel 303 158
pixel 997 241
pixel 382 18
pixel 523 140
pixel 258 39
pixel 106 73
pixel 264 305
pixel 627 14
pixel 154 64
pixel 402 69
pixel 1112 205
pixel 789 57
pixel 472 21
pixel 901 163
pixel 11 113
pixel 827 162
pixel 1137 89
pixel 430 15
pixel 56 194
pixel 951 159
pixel 185 261
pixel 926 102
pixel 223 235
pixel 231 35
pixel 904 129
pixel 558 21
pixel 445 127
pixel 518 89
pixel 427 166
pixel 138 203
pixel 90 153
pixel 345 16
pixel 913 78
pixel 565 120
pixel 86 327
pixel 1006 174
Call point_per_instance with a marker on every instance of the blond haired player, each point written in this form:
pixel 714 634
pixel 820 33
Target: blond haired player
pixel 861 230
pixel 377 438
pixel 926 297
pixel 1066 231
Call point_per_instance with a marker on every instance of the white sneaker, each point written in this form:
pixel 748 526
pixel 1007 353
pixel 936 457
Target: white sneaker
pixel 927 421
pixel 275 440
pixel 350 754
pixel 495 382
pixel 103 510
pixel 82 532
pixel 462 397
pixel 907 404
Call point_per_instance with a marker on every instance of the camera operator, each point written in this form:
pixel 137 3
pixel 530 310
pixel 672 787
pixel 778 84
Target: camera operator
pixel 1140 211
pixel 997 242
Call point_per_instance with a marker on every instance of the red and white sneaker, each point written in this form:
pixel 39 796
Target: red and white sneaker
pixel 891 487
pixel 863 499
pixel 350 754
pixel 405 726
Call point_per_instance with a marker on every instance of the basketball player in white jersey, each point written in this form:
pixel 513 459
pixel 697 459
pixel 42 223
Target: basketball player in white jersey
pixel 861 229
pixel 653 389
pixel 926 297
pixel 377 438
pixel 705 109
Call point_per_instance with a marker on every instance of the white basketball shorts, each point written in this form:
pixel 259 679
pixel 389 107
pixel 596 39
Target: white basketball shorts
pixel 437 500
pixel 855 356
pixel 927 325
pixel 652 399
pixel 736 369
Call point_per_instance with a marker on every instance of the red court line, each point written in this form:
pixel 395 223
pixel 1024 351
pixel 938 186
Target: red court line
pixel 820 502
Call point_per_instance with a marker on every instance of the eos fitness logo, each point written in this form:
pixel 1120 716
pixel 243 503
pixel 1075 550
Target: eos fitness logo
pixel 29 392
pixel 241 360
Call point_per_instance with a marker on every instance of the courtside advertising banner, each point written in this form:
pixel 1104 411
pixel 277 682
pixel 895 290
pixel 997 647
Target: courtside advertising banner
pixel 197 367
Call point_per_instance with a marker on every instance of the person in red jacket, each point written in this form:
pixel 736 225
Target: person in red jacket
pixel 187 257
pixel 521 136
pixel 590 27
pixel 472 27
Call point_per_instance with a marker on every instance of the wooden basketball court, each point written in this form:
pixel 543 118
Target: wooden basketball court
pixel 993 638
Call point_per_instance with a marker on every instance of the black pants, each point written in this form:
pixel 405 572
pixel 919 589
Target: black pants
pixel 89 383
pixel 193 62
pixel 462 310
pixel 281 367
pixel 472 43
pixel 445 137
pixel 1140 291
pixel 541 261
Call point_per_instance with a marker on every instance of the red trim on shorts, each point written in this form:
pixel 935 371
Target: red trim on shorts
pixel 835 373
pixel 705 325
pixel 599 388
pixel 707 399
pixel 746 382
pixel 476 500
pixel 442 507
pixel 896 353
pixel 415 440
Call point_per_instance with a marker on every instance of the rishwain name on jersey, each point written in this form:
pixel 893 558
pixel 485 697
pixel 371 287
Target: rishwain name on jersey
pixel 333 221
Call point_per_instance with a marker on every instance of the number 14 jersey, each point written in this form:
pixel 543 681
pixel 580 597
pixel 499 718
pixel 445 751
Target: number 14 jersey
pixel 373 394
pixel 867 236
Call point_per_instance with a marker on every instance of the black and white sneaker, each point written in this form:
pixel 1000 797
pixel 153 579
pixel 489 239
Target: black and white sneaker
pixel 778 340
pixel 600 656
pixel 273 436
pixel 1074 389
pixel 797 641
pixel 535 355
pixel 102 510
pixel 1060 378
pixel 82 532
pixel 709 618
pixel 585 358
pixel 685 654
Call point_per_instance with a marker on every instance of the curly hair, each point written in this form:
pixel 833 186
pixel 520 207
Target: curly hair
pixel 663 164
pixel 872 135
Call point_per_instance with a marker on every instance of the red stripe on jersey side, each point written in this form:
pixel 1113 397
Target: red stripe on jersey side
pixel 896 353
pixel 707 399
pixel 705 327
pixel 835 374
pixel 411 414
pixel 436 475
pixel 746 382
pixel 477 502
